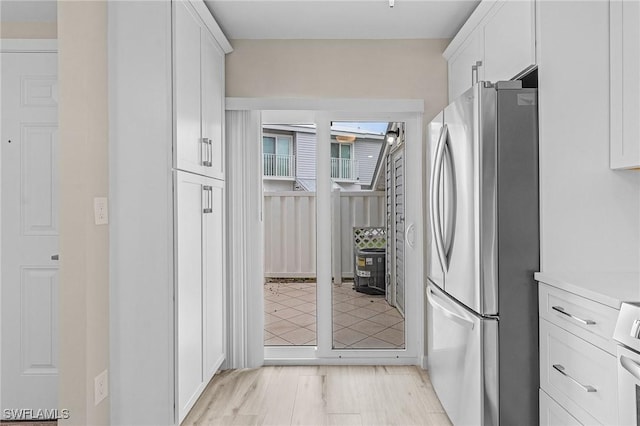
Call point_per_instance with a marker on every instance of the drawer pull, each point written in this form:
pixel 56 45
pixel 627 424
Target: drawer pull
pixel 560 369
pixel 573 317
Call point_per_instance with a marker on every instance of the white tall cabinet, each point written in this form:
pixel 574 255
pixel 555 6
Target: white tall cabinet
pixel 167 233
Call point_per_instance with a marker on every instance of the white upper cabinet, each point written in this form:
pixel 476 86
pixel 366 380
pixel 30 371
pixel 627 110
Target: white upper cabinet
pixel 625 85
pixel 199 94
pixel 500 35
pixel 509 40
pixel 461 65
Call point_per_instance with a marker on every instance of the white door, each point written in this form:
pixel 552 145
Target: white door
pixel 29 231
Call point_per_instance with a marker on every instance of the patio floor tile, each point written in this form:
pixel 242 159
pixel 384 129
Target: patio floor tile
pixel 348 336
pixel 286 313
pixel 359 320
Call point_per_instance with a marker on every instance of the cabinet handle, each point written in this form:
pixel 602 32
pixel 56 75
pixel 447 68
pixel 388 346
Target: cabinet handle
pixel 208 151
pixel 560 369
pixel 55 257
pixel 208 199
pixel 573 317
pixel 474 70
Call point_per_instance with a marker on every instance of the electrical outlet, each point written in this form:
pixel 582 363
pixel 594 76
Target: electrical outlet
pixel 101 210
pixel 101 383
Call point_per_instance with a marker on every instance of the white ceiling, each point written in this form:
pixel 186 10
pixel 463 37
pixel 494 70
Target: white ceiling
pixel 305 19
pixel 28 11
pixel 340 19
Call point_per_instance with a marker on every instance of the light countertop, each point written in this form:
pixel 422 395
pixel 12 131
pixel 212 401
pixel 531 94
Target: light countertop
pixel 608 288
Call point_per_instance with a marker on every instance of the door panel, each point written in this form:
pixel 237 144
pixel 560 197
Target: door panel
pixel 472 190
pixel 213 284
pixel 189 205
pixel 213 101
pixel 29 291
pixel 189 148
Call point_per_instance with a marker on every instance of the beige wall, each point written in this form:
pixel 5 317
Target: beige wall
pixel 391 69
pixel 84 247
pixel 28 30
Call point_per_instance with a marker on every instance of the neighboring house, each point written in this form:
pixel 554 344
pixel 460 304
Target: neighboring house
pixel 289 157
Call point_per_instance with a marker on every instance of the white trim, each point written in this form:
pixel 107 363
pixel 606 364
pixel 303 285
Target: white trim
pixel 344 105
pixel 21 45
pixel 476 19
pixel 212 25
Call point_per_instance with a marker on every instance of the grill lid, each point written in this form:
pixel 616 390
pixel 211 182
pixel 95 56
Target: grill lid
pixel 627 329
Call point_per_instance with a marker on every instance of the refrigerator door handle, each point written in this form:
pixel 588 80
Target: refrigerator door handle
pixel 436 220
pixel 431 296
pixel 447 156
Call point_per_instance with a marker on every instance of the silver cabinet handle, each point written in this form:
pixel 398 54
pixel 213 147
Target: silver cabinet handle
pixel 560 369
pixel 561 310
pixel 631 366
pixel 208 199
pixel 55 257
pixel 207 156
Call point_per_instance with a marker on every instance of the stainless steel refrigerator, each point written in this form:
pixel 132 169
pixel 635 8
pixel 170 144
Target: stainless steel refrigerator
pixel 483 249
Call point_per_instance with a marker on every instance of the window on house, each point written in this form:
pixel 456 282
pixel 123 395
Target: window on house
pixel 341 161
pixel 277 152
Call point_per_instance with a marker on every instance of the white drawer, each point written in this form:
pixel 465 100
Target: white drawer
pixel 584 366
pixel 552 414
pixel 590 320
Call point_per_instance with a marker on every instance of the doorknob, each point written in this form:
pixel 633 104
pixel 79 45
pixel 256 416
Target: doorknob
pixel 55 257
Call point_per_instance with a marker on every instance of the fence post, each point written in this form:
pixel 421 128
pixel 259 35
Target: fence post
pixel 336 240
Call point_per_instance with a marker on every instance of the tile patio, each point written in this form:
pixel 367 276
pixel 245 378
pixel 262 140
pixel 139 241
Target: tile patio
pixel 359 320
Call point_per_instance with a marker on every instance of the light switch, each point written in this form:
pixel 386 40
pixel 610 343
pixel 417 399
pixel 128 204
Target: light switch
pixel 101 210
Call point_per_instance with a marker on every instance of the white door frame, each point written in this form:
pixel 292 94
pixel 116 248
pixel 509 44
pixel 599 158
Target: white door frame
pixel 23 46
pixel 322 112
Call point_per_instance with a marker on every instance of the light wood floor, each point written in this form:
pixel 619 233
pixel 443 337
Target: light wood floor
pixel 320 395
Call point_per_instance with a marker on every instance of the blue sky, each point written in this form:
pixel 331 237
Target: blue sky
pixel 368 126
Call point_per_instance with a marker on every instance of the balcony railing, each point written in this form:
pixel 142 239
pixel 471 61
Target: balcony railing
pixel 281 166
pixel 344 169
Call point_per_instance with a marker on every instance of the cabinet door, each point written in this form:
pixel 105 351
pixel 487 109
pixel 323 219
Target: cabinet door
pixel 213 102
pixel 460 65
pixel 625 86
pixel 190 151
pixel 213 278
pixel 189 225
pixel 509 40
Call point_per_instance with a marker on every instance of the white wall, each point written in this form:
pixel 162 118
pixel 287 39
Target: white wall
pixel 340 69
pixel 84 247
pixel 590 214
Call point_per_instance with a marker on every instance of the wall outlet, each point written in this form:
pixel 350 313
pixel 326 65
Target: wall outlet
pixel 101 383
pixel 101 210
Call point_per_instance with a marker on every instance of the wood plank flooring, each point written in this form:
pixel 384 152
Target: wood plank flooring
pixel 320 395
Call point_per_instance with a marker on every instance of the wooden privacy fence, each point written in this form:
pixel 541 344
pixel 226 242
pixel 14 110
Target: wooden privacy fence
pixel 290 230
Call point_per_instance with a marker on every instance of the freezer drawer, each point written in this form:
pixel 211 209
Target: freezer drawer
pixel 462 360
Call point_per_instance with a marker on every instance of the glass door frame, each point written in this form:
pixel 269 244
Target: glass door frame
pixel 414 314
pixel 322 112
